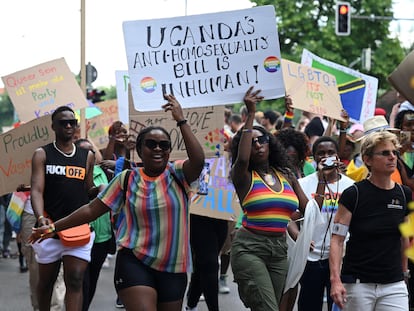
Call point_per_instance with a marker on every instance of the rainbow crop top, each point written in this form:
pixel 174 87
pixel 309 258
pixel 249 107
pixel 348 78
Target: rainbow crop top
pixel 267 210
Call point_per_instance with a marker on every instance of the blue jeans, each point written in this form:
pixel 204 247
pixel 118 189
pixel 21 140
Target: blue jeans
pixel 314 281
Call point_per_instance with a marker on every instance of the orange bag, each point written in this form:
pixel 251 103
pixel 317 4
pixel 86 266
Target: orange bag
pixel 75 236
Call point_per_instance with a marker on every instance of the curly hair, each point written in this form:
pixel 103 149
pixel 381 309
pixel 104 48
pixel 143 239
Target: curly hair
pixel 399 118
pixel 145 131
pixel 291 137
pixel 277 153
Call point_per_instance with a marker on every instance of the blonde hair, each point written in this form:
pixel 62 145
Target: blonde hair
pixel 372 140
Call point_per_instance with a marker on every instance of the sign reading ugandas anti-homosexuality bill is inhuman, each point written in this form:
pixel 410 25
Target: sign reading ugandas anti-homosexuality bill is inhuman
pixel 204 60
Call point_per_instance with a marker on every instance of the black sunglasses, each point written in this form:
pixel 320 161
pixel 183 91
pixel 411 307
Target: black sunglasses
pixel 152 144
pixel 387 153
pixel 263 139
pixel 71 122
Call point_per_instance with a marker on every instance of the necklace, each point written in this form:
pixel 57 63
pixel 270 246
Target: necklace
pixel 269 179
pixel 65 154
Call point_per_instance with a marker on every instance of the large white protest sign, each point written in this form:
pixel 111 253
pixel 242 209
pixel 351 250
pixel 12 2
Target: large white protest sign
pixel 204 60
pixel 358 91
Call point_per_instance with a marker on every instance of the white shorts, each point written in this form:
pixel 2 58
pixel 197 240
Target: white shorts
pixel 52 250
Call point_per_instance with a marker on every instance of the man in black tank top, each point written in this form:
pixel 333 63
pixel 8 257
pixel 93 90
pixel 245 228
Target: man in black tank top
pixel 62 181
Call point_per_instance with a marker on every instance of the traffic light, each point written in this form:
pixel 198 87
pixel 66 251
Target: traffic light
pixel 343 19
pixel 95 95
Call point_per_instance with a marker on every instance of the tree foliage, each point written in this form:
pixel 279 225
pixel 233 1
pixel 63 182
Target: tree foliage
pixel 311 25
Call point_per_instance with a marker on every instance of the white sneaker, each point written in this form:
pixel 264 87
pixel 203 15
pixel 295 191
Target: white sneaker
pixel 202 298
pixel 223 288
pixel 187 308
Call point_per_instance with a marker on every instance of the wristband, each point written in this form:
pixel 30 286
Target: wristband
pixel 246 130
pixel 182 122
pixel 40 217
pixel 288 116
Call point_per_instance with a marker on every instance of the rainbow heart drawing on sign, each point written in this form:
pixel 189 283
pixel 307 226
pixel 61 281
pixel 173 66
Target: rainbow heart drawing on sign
pixel 148 84
pixel 271 64
pixel 213 139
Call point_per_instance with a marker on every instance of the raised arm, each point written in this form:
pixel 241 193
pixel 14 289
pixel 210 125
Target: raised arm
pixel 194 164
pixel 239 172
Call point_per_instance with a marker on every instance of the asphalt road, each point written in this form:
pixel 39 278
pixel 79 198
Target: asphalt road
pixel 14 289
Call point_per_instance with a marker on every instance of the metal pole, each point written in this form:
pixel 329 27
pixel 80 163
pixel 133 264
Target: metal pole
pixel 83 69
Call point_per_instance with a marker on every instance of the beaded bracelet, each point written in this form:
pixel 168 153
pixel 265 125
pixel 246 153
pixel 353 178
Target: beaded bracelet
pixel 319 195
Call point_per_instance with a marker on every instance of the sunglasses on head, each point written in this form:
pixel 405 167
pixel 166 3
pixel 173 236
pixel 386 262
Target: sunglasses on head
pixel 387 153
pixel 71 122
pixel 152 144
pixel 263 139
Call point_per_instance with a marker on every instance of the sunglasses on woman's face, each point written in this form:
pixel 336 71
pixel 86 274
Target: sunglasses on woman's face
pixel 71 122
pixel 152 144
pixel 263 139
pixel 387 153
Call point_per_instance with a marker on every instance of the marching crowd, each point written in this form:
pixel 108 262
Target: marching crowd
pixel 321 203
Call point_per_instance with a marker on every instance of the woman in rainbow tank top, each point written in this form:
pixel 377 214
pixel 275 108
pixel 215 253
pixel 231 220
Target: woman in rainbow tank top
pixel 269 193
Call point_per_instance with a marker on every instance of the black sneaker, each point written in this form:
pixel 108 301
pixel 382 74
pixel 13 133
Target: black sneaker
pixel 119 304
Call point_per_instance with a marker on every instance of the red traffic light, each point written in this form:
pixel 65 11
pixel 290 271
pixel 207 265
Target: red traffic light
pixel 343 9
pixel 343 19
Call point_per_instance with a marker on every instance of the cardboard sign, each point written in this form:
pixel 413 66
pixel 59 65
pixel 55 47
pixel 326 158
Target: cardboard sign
pixel 402 78
pixel 39 90
pixel 204 60
pixel 312 89
pixel 358 91
pixel 98 126
pixel 206 124
pixel 17 147
pixel 221 200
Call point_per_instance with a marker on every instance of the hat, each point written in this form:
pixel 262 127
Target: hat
pixel 376 124
pixel 380 112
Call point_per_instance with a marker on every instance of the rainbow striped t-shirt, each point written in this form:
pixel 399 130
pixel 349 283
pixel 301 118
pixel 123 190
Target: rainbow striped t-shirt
pixel 156 213
pixel 267 210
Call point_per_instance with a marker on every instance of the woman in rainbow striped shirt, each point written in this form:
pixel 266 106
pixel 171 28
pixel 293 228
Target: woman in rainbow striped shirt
pixel 269 193
pixel 153 239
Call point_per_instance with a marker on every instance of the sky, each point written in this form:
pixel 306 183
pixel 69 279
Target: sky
pixel 41 31
pixel 34 32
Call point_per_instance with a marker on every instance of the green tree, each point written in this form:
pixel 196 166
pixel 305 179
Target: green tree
pixel 6 111
pixel 311 25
